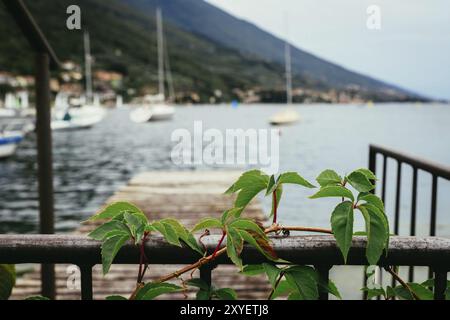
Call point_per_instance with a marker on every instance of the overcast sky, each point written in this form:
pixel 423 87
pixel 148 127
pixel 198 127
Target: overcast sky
pixel 412 49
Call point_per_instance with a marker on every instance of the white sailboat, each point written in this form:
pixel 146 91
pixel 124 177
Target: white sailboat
pixel 88 114
pixel 156 108
pixel 9 140
pixel 289 115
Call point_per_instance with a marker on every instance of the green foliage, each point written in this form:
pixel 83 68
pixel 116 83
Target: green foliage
pixel 125 222
pixel 329 178
pixel 248 186
pixel 422 291
pixel 334 192
pixel 153 290
pixel 211 293
pixel 297 282
pixel 342 226
pixel 115 298
pixel 360 182
pixel 370 206
pixel 37 298
pixel 251 183
pixel 7 280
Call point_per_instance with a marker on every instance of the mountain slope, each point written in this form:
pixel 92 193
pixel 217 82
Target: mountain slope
pixel 123 39
pixel 209 49
pixel 199 17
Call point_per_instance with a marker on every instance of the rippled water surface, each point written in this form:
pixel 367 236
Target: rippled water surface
pixel 90 165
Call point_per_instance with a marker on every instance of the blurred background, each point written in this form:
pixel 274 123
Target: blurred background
pixel 342 74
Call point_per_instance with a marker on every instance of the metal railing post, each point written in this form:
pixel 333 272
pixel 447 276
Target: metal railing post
pixel 45 167
pixel 324 273
pixel 86 282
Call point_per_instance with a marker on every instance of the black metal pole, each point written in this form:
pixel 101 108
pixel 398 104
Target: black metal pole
pixel 45 166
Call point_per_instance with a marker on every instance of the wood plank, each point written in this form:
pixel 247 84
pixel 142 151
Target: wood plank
pixel 187 196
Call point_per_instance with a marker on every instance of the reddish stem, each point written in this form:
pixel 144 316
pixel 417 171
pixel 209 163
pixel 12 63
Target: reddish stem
pixel 219 245
pixel 142 259
pixel 275 207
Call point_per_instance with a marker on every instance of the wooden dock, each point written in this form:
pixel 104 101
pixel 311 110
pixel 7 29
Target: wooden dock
pixel 187 196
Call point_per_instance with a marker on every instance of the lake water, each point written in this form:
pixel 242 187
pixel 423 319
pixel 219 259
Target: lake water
pixel 91 165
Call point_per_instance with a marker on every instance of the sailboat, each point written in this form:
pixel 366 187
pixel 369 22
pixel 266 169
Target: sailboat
pixel 85 116
pixel 156 108
pixel 9 140
pixel 289 115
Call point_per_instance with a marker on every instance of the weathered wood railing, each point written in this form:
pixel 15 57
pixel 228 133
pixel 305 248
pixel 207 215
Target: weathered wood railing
pixel 319 251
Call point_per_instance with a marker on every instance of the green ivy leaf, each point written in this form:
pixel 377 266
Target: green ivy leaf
pixel 102 231
pixel 260 243
pixel 249 225
pixel 342 226
pixel 272 185
pixel 283 289
pixel 421 291
pixel 203 295
pixel 372 199
pixel 231 215
pixel 208 223
pixel 248 186
pixel 153 290
pixel 198 283
pixel 7 280
pixel 374 292
pixel 184 235
pixel 171 235
pixel 329 178
pixel 253 270
pixel 377 232
pixel 110 248
pixel 234 246
pixel 168 232
pixel 116 209
pixel 295 296
pixel 272 272
pixel 331 288
pixel 369 174
pixel 116 298
pixel 294 178
pixel 334 192
pixel 360 182
pixel 37 298
pixel 279 194
pixel 136 223
pixel 225 294
pixel 303 280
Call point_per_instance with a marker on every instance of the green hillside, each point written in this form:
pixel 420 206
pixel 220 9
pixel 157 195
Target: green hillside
pixel 124 40
pixel 209 50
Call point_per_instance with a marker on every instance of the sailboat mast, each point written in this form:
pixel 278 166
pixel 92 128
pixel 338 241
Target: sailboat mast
pixel 88 66
pixel 288 73
pixel 159 23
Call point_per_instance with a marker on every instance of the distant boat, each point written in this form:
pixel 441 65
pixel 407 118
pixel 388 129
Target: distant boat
pixel 77 118
pixel 156 108
pixel 8 143
pixel 285 117
pixel 289 115
pixel 69 118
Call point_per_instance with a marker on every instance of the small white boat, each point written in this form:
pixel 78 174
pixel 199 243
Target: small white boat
pixel 285 117
pixel 81 118
pixel 19 127
pixel 7 113
pixel 9 143
pixel 158 112
pixel 156 108
pixel 288 116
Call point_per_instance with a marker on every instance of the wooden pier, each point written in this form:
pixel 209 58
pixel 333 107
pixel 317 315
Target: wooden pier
pixel 187 196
